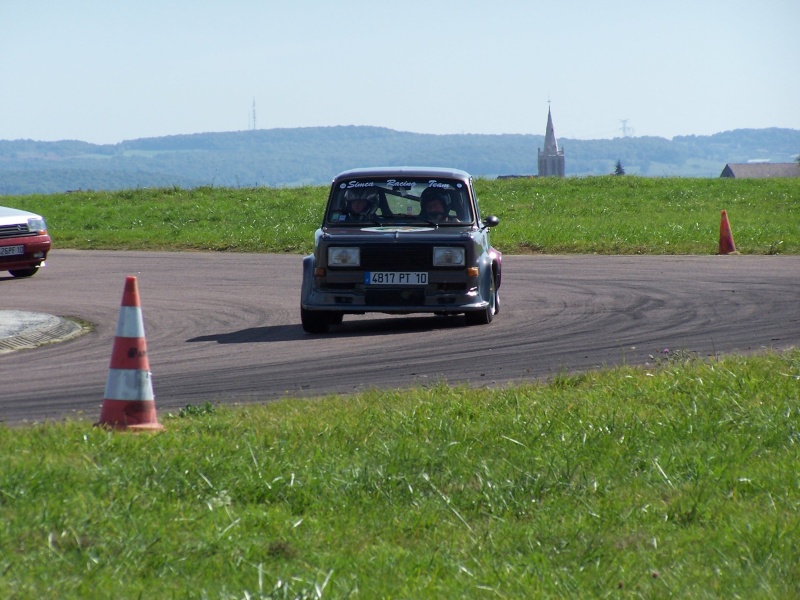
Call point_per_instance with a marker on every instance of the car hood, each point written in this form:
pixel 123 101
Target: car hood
pixel 370 232
pixel 12 216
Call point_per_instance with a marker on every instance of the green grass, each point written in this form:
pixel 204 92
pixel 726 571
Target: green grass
pixel 604 215
pixel 634 215
pixel 675 480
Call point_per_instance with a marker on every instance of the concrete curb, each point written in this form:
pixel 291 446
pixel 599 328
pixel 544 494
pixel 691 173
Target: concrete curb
pixel 21 330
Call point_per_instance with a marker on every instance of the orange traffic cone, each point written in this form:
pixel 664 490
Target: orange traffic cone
pixel 129 402
pixel 726 245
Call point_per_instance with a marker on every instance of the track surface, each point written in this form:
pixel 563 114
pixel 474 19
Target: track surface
pixel 226 327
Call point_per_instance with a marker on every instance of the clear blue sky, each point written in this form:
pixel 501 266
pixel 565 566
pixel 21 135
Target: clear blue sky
pixel 104 71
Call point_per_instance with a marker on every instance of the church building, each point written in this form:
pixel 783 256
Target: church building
pixel 551 160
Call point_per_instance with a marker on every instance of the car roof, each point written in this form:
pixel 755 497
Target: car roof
pixel 405 172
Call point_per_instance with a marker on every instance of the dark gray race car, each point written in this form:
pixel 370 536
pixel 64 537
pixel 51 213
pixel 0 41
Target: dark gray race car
pixel 401 240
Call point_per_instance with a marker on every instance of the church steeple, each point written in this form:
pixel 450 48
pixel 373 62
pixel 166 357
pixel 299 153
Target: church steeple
pixel 550 143
pixel 551 161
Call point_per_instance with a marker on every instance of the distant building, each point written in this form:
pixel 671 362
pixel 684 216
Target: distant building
pixel 760 170
pixel 551 160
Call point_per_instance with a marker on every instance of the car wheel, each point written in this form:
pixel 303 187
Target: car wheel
pixel 485 316
pixel 23 272
pixel 314 321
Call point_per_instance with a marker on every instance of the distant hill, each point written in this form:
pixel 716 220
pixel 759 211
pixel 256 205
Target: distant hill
pixel 313 155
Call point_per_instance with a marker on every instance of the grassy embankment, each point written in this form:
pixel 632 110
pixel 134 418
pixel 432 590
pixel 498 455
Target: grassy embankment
pixel 677 480
pixel 604 215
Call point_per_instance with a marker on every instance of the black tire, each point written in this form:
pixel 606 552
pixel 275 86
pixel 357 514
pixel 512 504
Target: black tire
pixel 314 321
pixel 485 316
pixel 335 318
pixel 479 317
pixel 30 272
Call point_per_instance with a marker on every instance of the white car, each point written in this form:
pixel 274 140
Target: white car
pixel 24 242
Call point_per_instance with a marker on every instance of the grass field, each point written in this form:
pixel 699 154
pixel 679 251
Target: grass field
pixel 604 215
pixel 678 479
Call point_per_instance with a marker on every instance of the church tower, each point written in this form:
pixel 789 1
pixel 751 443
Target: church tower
pixel 551 161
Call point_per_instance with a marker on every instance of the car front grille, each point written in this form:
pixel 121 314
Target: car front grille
pixel 18 230
pixel 404 297
pixel 400 257
pixel 16 258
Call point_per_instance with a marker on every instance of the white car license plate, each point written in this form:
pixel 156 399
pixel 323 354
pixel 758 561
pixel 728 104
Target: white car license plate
pixel 396 278
pixel 11 250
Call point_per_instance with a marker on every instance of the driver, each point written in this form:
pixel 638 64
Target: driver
pixel 360 205
pixel 434 205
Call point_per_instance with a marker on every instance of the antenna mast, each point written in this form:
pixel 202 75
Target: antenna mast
pixel 626 131
pixel 254 114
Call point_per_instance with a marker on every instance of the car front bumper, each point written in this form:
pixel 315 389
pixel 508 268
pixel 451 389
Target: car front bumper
pixel 446 291
pixel 34 253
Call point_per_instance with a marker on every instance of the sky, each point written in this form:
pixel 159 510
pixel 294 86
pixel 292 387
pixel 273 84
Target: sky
pixel 106 71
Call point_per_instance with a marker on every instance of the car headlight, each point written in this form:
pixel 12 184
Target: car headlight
pixel 448 256
pixel 37 224
pixel 344 257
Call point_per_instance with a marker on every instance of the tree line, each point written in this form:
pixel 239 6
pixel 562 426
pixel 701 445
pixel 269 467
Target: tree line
pixel 313 155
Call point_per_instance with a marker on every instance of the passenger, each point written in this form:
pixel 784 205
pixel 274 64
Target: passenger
pixel 360 205
pixel 435 206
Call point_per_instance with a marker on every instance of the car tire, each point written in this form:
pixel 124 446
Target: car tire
pixel 23 272
pixel 314 321
pixel 485 316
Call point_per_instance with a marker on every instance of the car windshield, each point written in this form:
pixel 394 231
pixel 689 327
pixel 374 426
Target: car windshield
pixel 406 200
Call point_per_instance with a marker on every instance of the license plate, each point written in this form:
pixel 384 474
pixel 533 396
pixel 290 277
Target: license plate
pixel 396 278
pixel 11 250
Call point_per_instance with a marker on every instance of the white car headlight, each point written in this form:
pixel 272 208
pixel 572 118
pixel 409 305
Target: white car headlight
pixel 344 257
pixel 447 256
pixel 37 224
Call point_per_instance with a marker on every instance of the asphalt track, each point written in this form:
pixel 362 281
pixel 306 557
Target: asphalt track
pixel 224 327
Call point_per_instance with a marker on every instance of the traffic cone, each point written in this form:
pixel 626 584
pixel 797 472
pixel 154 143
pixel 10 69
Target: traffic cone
pixel 129 402
pixel 726 245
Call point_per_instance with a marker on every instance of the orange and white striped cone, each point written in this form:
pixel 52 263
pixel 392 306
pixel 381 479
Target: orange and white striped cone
pixel 726 245
pixel 129 402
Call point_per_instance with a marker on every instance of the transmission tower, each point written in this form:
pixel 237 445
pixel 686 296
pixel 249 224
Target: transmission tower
pixel 254 114
pixel 626 131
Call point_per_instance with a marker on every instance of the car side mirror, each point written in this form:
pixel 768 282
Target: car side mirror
pixel 491 221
